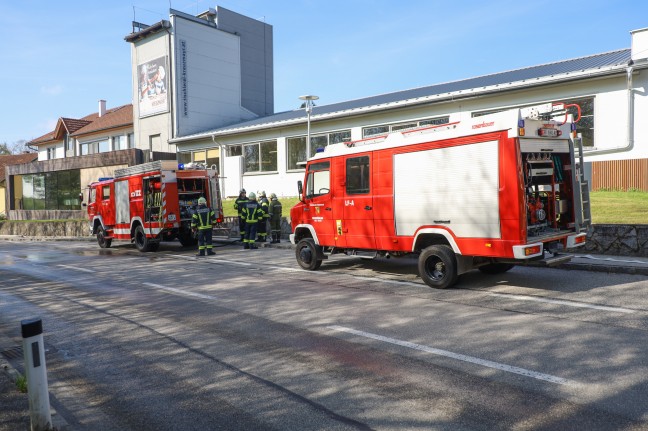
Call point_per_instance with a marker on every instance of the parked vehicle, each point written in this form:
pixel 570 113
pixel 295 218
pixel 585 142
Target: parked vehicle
pixel 149 203
pixel 488 193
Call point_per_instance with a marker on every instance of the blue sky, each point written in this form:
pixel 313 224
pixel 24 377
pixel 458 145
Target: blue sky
pixel 60 57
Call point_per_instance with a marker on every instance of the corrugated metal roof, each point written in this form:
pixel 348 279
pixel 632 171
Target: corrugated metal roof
pixel 536 73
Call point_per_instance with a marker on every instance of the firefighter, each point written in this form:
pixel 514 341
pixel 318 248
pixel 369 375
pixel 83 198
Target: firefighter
pixel 239 203
pixel 203 220
pixel 274 210
pixel 262 228
pixel 251 215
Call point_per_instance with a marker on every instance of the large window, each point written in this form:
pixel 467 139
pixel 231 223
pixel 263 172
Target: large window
pixel 296 146
pixel 585 127
pixel 52 191
pixel 101 146
pixel 260 157
pixel 383 129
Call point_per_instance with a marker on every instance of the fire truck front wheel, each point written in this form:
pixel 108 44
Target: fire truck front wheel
pixel 306 253
pixel 438 266
pixel 101 238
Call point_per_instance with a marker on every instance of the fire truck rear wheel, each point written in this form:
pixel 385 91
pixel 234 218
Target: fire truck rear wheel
pixel 496 268
pixel 101 238
pixel 438 266
pixel 306 253
pixel 141 241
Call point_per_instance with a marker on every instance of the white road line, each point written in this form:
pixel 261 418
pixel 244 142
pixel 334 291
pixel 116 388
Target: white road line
pixel 483 362
pixel 567 303
pixel 76 268
pixel 180 291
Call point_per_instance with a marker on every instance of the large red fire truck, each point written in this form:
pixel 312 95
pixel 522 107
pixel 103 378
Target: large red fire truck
pixel 151 202
pixel 488 193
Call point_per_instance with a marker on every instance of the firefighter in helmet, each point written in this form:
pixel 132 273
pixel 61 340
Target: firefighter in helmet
pixel 274 210
pixel 203 220
pixel 262 228
pixel 251 215
pixel 239 203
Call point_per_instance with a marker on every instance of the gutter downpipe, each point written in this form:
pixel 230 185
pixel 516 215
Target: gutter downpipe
pixel 630 124
pixel 221 162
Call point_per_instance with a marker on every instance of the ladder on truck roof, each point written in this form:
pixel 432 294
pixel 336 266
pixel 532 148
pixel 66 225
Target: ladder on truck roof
pixel 143 168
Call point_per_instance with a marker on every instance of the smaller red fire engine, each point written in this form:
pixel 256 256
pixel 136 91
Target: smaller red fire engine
pixel 149 203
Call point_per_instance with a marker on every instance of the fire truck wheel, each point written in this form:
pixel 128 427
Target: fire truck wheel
pixel 101 238
pixel 187 239
pixel 306 253
pixel 141 241
pixel 496 268
pixel 438 266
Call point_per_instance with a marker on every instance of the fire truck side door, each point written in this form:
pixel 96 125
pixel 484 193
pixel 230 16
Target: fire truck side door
pixel 317 201
pixel 107 203
pixel 358 212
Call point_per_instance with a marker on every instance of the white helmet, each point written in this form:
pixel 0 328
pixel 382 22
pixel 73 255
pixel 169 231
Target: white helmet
pixel 252 196
pixel 273 196
pixel 262 193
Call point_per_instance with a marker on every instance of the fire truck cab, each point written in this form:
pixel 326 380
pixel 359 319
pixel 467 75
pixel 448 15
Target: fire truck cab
pixel 488 193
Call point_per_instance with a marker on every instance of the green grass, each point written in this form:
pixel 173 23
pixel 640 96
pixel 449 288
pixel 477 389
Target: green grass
pixel 616 207
pixel 286 204
pixel 21 384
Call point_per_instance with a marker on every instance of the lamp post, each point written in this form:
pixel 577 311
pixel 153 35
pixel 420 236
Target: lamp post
pixel 309 108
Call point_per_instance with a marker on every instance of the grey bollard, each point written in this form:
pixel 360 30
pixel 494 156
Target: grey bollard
pixel 36 372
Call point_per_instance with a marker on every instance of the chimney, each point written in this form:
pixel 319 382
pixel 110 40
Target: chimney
pixel 639 44
pixel 102 108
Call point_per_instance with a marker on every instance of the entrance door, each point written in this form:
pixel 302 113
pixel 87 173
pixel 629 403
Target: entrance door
pixel 358 221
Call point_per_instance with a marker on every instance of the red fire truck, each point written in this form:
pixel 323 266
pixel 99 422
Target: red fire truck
pixel 488 193
pixel 151 202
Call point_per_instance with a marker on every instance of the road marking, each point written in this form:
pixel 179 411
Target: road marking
pixel 567 303
pixel 478 361
pixel 611 259
pixel 76 268
pixel 180 291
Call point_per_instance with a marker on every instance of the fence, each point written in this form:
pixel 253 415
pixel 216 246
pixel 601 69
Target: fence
pixel 620 175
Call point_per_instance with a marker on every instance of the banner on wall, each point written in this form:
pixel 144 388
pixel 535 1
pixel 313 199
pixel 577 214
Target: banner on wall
pixel 152 84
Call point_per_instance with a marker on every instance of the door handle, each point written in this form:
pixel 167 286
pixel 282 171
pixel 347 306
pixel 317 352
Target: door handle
pixel 328 209
pixel 367 207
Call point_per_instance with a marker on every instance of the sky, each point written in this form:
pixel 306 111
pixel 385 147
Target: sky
pixel 60 57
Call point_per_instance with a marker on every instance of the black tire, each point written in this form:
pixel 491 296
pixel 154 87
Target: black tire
pixel 101 238
pixel 186 239
pixel 154 245
pixel 306 254
pixel 438 266
pixel 141 241
pixel 496 268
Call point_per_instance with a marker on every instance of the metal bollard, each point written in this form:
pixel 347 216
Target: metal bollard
pixel 36 372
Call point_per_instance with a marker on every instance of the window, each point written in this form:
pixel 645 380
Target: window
pixel 318 181
pixel 120 143
pixel 105 192
pixel 131 140
pixel 51 190
pixel 184 157
pixel 235 150
pixel 155 143
pixel 296 146
pixel 101 146
pixel 357 175
pixel 387 128
pixel 260 157
pixel 51 153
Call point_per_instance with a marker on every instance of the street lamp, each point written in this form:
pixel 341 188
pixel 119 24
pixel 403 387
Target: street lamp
pixel 309 108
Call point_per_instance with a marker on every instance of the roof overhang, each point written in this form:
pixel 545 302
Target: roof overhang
pixel 433 98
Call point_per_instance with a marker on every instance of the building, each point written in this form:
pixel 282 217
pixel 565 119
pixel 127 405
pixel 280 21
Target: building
pixel 5 161
pixel 268 152
pixel 76 153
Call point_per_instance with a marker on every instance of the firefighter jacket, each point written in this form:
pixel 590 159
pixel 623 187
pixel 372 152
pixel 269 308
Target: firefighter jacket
pixel 274 210
pixel 203 218
pixel 264 206
pixel 252 212
pixel 239 203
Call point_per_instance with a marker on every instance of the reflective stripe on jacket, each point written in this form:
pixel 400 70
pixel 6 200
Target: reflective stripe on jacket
pixel 203 218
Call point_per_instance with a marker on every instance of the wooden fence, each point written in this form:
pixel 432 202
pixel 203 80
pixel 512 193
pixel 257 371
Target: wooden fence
pixel 620 175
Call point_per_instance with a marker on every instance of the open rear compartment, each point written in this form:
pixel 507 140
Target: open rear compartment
pixel 548 188
pixel 189 190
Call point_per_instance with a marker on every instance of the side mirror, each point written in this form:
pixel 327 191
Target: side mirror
pixel 300 190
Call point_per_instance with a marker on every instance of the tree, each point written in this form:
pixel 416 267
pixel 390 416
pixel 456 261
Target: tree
pixel 17 147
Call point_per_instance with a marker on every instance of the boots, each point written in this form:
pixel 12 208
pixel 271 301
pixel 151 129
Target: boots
pixel 201 253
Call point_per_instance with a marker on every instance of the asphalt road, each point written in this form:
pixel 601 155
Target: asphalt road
pixel 247 340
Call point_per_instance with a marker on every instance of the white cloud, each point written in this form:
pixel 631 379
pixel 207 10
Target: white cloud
pixel 53 90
